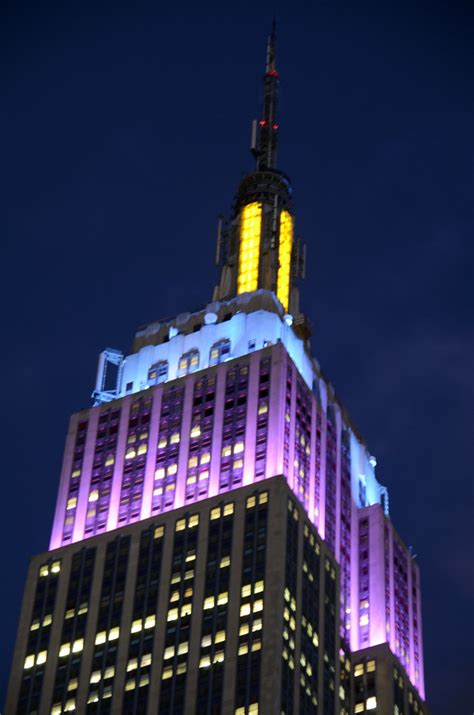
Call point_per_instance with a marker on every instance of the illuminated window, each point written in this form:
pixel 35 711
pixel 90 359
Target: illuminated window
pixel 158 372
pixel 249 249
pixel 29 661
pixel 189 362
pixel 371 703
pixel 219 352
pixel 284 258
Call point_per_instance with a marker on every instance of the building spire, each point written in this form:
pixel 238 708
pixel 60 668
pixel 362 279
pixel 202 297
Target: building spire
pixel 264 144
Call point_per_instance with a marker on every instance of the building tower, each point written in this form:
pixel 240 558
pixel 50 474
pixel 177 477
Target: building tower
pixel 221 543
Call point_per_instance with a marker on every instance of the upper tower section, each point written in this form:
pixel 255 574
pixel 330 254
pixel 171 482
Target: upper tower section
pixel 257 247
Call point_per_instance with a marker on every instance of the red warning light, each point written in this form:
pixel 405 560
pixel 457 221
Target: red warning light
pixel 275 126
pixel 262 122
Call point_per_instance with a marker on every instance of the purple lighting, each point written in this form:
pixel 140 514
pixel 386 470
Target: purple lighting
pixel 233 424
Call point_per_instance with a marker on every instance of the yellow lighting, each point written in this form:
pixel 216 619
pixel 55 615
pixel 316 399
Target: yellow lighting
pixel 284 258
pixel 29 661
pixel 249 253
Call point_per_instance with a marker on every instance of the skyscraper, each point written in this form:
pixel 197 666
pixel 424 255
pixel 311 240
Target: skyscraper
pixel 221 542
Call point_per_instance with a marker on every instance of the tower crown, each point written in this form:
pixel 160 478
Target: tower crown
pixel 257 247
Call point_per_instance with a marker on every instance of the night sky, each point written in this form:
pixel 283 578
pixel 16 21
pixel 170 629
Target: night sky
pixel 124 134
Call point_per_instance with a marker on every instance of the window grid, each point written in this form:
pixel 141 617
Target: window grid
pixel 102 471
pixel 180 606
pixel 400 571
pixel 252 603
pixel 144 616
pixel 364 577
pixel 38 639
pixel 233 431
pixel 345 535
pixel 99 700
pixel 73 631
pixel 261 437
pixel 200 439
pixel 135 459
pixel 331 452
pixel 167 452
pixel 289 611
pixel 309 675
pixel 329 658
pixel 214 622
pixel 302 444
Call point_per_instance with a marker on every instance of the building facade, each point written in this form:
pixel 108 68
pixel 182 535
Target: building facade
pixel 221 542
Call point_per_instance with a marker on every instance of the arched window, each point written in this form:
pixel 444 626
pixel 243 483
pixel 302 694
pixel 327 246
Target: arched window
pixel 158 372
pixel 219 352
pixel 189 362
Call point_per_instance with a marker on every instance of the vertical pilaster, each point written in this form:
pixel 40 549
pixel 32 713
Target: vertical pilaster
pixel 276 413
pixel 60 511
pixel 312 463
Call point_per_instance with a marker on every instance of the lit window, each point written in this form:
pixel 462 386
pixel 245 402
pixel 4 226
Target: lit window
pixel 175 437
pixel 219 352
pixel 238 447
pixel 94 495
pixel 56 567
pixel 159 531
pixel 64 650
pixel 215 513
pixel 189 362
pixel 284 258
pixel 114 633
pixel 364 620
pixel 225 561
pixel 158 372
pixel 41 657
pixel 358 670
pixel 193 520
pixel 370 666
pixel 195 431
pixel 160 473
pixel 172 469
pixel 205 458
pixel 227 451
pixel 71 503
pixel 29 662
pixel 359 708
pixel 371 703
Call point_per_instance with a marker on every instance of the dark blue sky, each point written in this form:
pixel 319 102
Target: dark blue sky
pixel 125 132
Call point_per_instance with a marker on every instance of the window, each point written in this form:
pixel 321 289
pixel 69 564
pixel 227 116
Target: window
pixel 219 352
pixel 158 372
pixel 252 345
pixel 189 362
pixel 129 387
